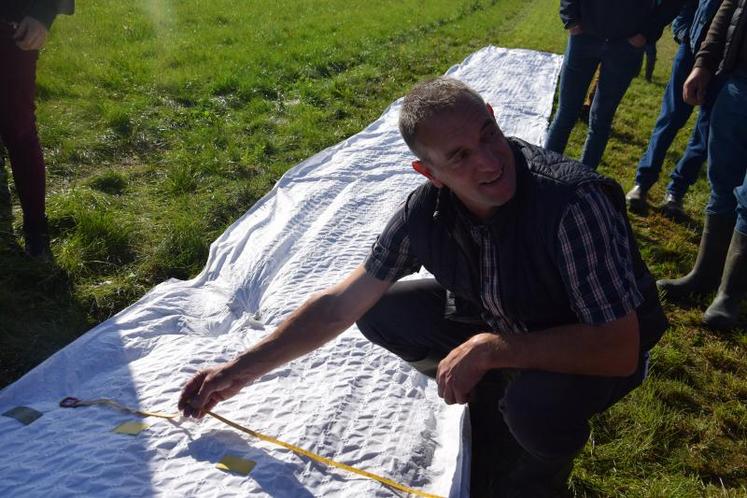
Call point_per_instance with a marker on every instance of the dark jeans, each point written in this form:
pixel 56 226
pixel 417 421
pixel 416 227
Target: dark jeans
pixel 619 62
pixel 673 116
pixel 18 125
pixel 547 413
pixel 727 152
pixel 650 50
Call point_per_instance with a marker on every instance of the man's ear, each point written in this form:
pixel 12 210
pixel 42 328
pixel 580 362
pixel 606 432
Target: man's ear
pixel 490 110
pixel 421 168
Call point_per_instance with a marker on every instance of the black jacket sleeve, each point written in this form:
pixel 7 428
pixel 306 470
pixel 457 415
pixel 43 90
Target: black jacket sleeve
pixel 570 13
pixel 45 11
pixel 664 13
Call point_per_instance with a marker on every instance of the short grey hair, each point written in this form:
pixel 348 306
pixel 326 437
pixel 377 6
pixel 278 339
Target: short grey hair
pixel 426 100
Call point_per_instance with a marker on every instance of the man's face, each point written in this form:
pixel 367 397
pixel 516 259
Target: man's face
pixel 465 150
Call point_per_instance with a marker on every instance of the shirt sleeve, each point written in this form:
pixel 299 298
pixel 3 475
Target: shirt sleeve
pixel 44 11
pixel 391 256
pixel 595 260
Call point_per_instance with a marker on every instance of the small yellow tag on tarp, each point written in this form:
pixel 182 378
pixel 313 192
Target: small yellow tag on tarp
pixel 23 414
pixel 237 465
pixel 131 428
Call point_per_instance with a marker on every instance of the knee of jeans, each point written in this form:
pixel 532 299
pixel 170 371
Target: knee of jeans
pixel 722 201
pixel 599 124
pixel 544 433
pixel 368 325
pixel 741 195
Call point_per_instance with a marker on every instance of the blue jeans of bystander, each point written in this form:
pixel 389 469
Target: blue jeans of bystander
pixel 727 152
pixel 619 63
pixel 672 117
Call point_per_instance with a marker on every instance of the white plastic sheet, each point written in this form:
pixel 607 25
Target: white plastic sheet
pixel 350 400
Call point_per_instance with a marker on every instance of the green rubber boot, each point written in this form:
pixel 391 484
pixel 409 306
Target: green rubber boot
pixel 706 274
pixel 723 312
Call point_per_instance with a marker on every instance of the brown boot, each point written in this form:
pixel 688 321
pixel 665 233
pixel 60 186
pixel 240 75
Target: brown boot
pixel 706 274
pixel 723 312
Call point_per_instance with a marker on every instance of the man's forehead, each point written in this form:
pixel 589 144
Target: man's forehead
pixel 465 115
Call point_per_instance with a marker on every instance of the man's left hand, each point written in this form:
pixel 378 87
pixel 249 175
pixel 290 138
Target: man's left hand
pixel 463 368
pixel 30 34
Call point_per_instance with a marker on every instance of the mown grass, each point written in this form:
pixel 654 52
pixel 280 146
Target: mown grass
pixel 163 122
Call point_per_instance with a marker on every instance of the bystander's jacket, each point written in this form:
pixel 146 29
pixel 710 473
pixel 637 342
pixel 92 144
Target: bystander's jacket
pixel 725 46
pixel 693 21
pixel 620 19
pixel 43 11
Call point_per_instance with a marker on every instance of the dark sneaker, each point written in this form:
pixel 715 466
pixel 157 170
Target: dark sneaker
pixel 636 200
pixel 36 240
pixel 672 206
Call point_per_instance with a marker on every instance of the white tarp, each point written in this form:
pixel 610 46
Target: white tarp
pixel 350 400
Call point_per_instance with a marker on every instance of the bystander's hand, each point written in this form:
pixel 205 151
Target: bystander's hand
pixel 638 41
pixel 30 34
pixel 694 89
pixel 211 386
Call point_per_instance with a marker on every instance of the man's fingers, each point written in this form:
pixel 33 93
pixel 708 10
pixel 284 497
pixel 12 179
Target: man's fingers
pixel 189 391
pixel 28 41
pixel 460 397
pixel 21 31
pixel 36 41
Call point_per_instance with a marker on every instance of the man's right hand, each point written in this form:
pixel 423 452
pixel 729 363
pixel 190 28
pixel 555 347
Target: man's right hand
pixel 694 89
pixel 30 34
pixel 209 387
pixel 576 29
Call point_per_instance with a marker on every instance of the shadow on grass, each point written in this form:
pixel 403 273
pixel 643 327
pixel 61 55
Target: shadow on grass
pixel 40 314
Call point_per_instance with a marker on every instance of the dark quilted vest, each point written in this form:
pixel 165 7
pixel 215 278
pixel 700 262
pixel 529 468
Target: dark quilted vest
pixel 526 230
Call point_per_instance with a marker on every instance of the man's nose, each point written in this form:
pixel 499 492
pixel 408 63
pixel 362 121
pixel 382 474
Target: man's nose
pixel 485 160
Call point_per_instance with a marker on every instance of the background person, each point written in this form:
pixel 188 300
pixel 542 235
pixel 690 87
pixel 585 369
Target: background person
pixel 722 255
pixel 611 35
pixel 689 29
pixel 24 27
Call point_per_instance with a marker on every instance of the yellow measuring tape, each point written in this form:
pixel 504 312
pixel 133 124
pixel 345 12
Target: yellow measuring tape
pixel 75 403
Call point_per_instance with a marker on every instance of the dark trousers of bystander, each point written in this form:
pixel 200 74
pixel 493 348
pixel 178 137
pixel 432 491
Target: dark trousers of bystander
pixel 673 116
pixel 618 62
pixel 727 150
pixel 18 125
pixel 546 415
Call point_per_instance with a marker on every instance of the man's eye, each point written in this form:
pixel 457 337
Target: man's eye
pixel 459 157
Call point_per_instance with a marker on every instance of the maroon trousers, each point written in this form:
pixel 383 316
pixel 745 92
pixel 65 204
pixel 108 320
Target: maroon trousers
pixel 18 125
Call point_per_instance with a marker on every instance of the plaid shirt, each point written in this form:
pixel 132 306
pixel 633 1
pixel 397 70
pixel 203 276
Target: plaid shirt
pixel 592 248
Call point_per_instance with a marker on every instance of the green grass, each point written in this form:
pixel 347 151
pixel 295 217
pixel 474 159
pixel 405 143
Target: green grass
pixel 163 122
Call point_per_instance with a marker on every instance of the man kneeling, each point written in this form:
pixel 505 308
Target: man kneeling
pixel 539 288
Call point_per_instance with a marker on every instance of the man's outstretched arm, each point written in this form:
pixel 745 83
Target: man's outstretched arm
pixel 320 319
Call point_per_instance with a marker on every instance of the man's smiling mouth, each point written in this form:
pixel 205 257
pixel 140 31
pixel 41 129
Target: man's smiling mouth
pixel 495 179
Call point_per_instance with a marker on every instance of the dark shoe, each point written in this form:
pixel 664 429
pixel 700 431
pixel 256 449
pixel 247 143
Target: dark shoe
pixel 672 206
pixel 723 312
pixel 706 274
pixel 36 238
pixel 532 478
pixel 636 200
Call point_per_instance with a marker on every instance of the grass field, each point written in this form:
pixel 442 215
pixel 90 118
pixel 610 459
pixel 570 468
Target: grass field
pixel 163 121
